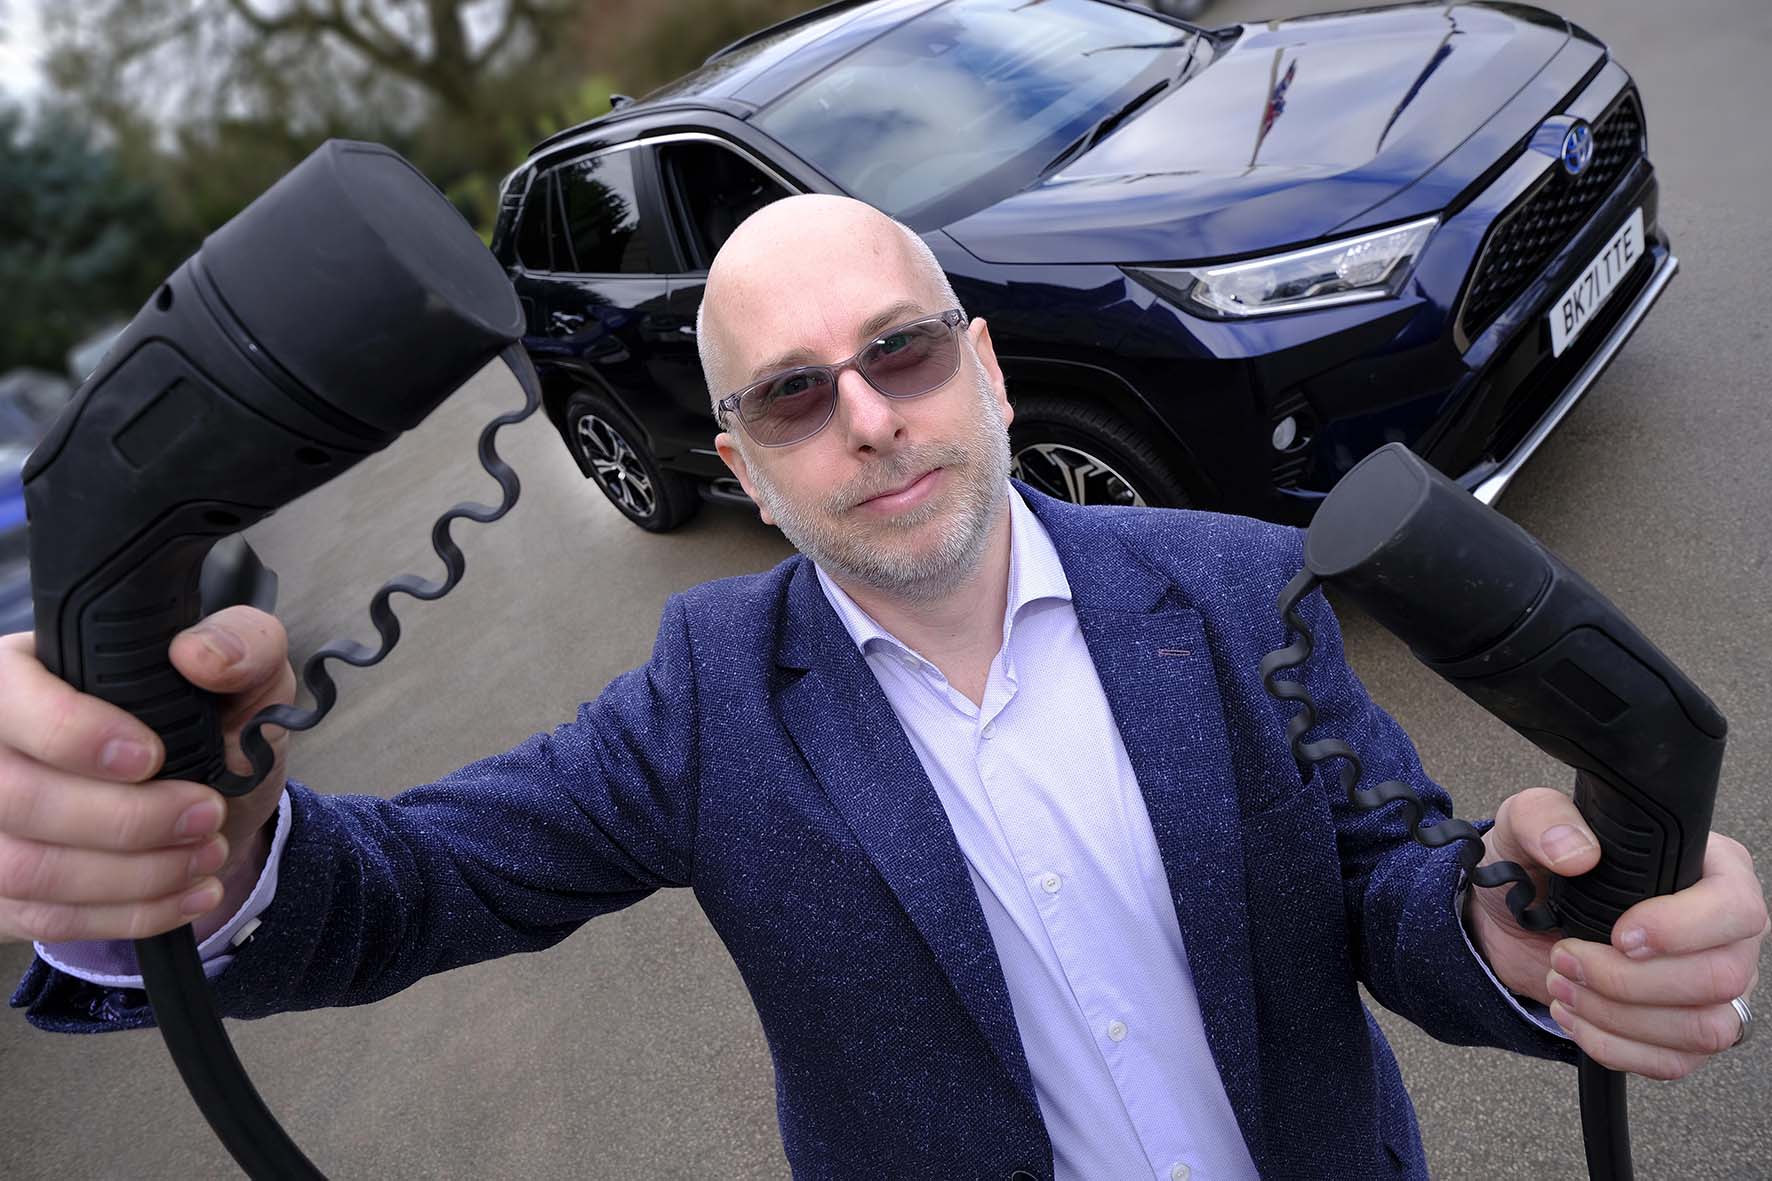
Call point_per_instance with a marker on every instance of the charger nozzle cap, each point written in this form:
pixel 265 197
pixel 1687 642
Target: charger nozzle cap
pixel 1435 566
pixel 360 280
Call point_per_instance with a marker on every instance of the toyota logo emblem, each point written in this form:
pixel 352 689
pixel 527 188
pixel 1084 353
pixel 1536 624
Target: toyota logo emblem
pixel 1578 149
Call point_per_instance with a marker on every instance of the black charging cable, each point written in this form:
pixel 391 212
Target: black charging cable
pixel 1307 754
pixel 314 675
pixel 172 973
pixel 1604 1112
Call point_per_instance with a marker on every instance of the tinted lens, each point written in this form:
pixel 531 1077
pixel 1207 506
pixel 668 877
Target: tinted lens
pixel 911 360
pixel 788 408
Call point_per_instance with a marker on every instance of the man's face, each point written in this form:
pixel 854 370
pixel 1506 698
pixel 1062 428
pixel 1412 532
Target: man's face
pixel 896 494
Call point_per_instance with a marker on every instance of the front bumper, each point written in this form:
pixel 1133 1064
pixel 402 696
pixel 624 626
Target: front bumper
pixel 1488 484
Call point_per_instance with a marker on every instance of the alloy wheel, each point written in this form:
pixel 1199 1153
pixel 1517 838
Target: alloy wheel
pixel 616 466
pixel 1070 473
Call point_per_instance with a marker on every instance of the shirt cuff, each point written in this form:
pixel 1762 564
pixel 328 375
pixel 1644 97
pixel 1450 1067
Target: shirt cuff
pixel 112 962
pixel 1525 1006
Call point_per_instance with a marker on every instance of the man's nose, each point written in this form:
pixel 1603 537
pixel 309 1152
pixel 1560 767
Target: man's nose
pixel 869 419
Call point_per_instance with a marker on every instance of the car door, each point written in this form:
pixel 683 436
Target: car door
pixel 600 312
pixel 707 186
pixel 532 248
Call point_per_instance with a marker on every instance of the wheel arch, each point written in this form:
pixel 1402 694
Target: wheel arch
pixel 1094 385
pixel 673 495
pixel 558 384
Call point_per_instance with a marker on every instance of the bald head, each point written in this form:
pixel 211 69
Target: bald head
pixel 803 271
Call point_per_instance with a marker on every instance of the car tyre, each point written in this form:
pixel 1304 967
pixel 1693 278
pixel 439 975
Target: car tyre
pixel 1086 455
pixel 614 455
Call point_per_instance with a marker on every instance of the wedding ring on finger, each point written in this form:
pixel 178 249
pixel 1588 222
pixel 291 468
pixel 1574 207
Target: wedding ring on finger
pixel 1739 1004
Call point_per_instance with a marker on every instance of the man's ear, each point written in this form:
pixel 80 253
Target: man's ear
pixel 727 446
pixel 980 334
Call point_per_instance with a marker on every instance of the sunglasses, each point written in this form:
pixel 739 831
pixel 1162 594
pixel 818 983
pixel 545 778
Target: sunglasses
pixel 904 362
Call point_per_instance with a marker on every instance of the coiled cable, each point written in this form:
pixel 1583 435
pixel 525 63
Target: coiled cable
pixel 172 973
pixel 387 625
pixel 1442 832
pixel 1605 1117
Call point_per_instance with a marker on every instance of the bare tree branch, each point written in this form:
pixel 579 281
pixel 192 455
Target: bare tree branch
pixel 518 13
pixel 372 18
pixel 448 36
pixel 395 58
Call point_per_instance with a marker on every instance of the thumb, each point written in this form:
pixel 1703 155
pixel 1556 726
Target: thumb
pixel 1542 829
pixel 233 651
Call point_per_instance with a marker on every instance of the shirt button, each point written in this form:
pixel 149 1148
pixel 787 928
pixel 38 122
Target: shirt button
pixel 990 728
pixel 1050 883
pixel 1117 1030
pixel 908 660
pixel 1180 1172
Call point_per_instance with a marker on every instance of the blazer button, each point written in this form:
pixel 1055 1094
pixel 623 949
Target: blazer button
pixel 1022 1175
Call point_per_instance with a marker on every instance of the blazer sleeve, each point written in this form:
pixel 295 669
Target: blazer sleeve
pixel 509 854
pixel 1402 898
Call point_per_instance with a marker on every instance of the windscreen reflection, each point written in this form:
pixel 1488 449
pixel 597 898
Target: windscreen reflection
pixel 976 95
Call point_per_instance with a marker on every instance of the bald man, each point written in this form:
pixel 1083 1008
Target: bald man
pixel 981 791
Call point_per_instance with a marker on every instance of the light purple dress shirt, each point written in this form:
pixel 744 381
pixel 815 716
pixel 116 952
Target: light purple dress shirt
pixel 1043 801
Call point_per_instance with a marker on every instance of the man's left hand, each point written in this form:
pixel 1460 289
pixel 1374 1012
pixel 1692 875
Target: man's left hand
pixel 1655 1001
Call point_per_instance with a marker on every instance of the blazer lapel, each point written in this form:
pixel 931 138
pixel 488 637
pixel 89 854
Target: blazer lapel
pixel 847 731
pixel 1151 655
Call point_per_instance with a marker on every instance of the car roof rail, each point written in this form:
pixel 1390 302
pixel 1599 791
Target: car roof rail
pixel 634 109
pixel 792 22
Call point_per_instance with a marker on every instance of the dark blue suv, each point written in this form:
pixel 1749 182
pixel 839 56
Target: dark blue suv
pixel 1220 266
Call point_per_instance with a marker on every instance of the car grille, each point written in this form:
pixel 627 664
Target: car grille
pixel 1529 234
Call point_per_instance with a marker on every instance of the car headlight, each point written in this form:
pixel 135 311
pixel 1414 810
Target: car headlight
pixel 1369 266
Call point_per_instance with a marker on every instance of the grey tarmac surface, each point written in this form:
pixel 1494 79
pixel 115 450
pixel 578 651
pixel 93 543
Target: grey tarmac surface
pixel 631 1049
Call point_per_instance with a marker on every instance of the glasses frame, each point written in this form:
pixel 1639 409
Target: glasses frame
pixel 953 318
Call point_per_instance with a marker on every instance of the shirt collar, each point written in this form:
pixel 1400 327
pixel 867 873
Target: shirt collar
pixel 1035 573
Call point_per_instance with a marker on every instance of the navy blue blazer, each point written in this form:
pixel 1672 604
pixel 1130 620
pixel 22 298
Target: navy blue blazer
pixel 755 760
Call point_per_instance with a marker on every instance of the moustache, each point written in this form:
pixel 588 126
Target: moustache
pixel 895 473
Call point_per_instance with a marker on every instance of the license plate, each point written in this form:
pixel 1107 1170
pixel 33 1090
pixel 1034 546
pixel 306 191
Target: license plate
pixel 1570 314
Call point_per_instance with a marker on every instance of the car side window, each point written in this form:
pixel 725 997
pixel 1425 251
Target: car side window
pixel 601 213
pixel 711 190
pixel 535 229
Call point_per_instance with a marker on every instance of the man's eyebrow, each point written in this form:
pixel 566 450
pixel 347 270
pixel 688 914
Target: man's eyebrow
pixel 897 313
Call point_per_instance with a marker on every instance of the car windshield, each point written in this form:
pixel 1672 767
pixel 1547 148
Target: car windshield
pixel 962 106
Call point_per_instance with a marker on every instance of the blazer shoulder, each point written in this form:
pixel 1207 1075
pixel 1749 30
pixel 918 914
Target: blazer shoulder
pixel 740 612
pixel 1213 560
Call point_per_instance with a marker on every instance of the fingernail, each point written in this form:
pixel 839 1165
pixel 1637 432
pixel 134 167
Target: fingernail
pixel 1635 943
pixel 1561 1014
pixel 1565 964
pixel 1562 988
pixel 1565 841
pixel 125 756
pixel 225 644
pixel 209 858
pixel 203 898
pixel 200 818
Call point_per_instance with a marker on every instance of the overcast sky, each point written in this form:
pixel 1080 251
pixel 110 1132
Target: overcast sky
pixel 21 43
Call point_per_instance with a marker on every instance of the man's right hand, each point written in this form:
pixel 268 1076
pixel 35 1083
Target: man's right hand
pixel 90 847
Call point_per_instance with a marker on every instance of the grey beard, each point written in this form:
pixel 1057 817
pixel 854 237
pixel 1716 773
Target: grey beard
pixel 981 463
